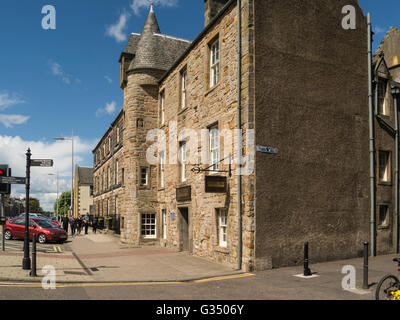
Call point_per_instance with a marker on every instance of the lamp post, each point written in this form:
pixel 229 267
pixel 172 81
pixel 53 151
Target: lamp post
pixel 52 174
pixel 72 169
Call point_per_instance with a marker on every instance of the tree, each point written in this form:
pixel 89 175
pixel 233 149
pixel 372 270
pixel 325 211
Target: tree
pixel 64 203
pixel 34 205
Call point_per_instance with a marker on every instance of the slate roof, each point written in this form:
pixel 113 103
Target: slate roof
pixel 132 43
pixel 152 49
pixel 85 176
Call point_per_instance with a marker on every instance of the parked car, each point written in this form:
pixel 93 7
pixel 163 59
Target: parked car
pixel 31 215
pixel 44 230
pixel 41 216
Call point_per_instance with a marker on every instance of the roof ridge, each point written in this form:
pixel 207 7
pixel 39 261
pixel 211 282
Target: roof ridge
pixel 171 37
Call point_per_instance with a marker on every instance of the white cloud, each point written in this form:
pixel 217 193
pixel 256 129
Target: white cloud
pixel 43 186
pixel 138 4
pixel 9 120
pixel 116 30
pixel 8 100
pixel 109 109
pixel 378 30
pixel 57 70
pixel 109 80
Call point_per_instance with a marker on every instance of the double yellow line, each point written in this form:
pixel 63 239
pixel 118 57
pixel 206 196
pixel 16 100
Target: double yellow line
pixel 57 249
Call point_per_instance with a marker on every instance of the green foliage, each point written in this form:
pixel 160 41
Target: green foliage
pixel 64 202
pixel 34 205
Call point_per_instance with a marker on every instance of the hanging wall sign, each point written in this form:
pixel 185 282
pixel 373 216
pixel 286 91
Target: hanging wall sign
pixel 216 184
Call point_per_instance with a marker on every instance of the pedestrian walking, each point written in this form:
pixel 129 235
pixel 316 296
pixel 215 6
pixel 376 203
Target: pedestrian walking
pixel 86 222
pixel 94 224
pixel 72 223
pixel 65 223
pixel 79 224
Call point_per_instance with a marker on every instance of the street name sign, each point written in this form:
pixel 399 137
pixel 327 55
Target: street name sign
pixel 12 180
pixel 267 150
pixel 41 163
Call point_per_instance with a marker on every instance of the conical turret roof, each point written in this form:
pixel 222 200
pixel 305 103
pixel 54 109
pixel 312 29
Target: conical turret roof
pixel 154 50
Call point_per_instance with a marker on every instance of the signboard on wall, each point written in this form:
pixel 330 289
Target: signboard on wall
pixel 216 184
pixel 184 194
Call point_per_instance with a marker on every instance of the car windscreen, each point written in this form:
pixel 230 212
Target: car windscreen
pixel 44 223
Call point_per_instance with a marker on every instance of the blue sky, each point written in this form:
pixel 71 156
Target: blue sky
pixel 56 81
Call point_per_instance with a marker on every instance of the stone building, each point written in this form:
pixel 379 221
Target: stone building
pixel 108 171
pixel 386 67
pixel 83 191
pixel 298 125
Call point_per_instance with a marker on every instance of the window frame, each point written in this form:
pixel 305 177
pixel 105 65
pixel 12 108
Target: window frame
pixel 116 172
pixel 222 227
pixel 183 160
pixel 388 170
pixel 383 107
pixel 162 107
pixel 146 183
pixel 386 222
pixel 162 168
pixel 144 226
pixel 183 88
pixel 214 149
pixel 215 59
pixel 164 223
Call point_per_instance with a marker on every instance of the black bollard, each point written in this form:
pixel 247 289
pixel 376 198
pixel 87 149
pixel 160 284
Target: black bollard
pixel 307 271
pixel 365 280
pixel 33 271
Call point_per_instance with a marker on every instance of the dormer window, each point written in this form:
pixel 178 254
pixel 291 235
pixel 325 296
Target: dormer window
pixel 382 102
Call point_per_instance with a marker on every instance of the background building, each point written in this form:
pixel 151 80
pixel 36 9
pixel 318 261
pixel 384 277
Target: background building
pixel 83 191
pixel 386 75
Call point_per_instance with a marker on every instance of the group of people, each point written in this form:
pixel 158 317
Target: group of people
pixel 77 224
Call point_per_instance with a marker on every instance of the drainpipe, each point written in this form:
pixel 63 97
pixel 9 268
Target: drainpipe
pixel 371 140
pixel 239 126
pixel 395 92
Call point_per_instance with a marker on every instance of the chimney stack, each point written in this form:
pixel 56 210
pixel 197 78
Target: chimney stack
pixel 212 8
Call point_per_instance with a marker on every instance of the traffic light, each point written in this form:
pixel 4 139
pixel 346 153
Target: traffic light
pixel 4 172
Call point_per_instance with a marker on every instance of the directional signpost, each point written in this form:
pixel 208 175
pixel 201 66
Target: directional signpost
pixel 26 261
pixel 13 180
pixel 41 163
pixel 6 179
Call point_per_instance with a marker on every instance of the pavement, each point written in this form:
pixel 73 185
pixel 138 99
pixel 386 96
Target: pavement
pixel 100 259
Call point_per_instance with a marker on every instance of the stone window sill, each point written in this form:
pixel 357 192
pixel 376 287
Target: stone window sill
pixel 183 111
pixel 212 89
pixel 387 184
pixel 221 250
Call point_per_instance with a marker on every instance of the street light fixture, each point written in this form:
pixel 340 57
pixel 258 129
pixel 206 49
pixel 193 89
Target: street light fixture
pixel 72 169
pixel 52 174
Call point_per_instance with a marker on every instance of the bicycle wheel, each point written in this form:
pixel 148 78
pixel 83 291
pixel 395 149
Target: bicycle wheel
pixel 386 286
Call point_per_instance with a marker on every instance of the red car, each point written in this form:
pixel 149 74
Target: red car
pixel 44 230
